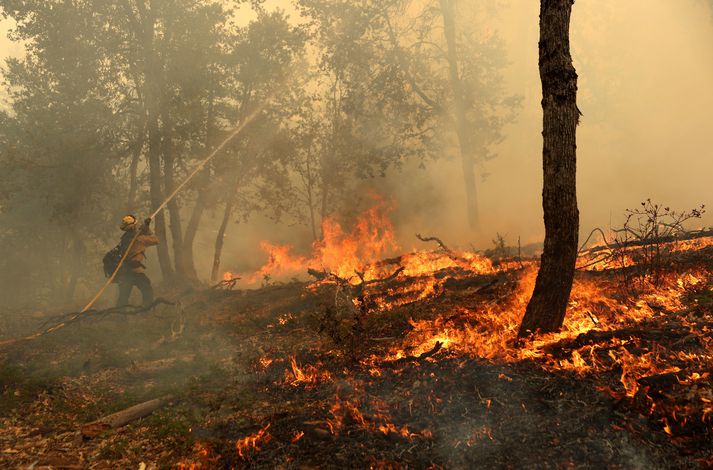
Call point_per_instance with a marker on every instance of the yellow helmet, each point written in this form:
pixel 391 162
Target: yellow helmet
pixel 128 222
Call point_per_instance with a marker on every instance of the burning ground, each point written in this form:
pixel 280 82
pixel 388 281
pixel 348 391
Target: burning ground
pixel 402 362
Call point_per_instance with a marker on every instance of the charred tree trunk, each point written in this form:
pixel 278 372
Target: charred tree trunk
pixel 219 240
pixel 546 309
pixel 463 130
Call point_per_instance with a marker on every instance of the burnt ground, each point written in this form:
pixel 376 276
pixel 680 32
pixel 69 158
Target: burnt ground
pixel 238 402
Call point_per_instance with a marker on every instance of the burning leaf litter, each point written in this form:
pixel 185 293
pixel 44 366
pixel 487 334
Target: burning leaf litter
pixel 416 358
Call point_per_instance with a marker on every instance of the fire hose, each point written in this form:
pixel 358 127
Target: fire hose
pixel 248 119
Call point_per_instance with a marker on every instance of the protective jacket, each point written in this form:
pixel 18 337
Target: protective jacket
pixel 137 254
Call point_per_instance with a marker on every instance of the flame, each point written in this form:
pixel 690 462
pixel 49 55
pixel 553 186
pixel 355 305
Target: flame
pixel 253 442
pixel 281 263
pixel 346 411
pixel 201 460
pixel 487 328
pixel 339 252
pixel 307 375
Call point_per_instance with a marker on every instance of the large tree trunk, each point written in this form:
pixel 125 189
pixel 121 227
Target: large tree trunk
pixel 156 191
pixel 546 309
pixel 169 168
pixel 152 94
pixel 463 130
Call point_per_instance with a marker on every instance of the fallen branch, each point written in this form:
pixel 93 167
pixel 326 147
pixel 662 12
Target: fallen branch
pixel 435 239
pixel 74 317
pixel 604 239
pixel 419 358
pixel 651 241
pixel 226 284
pixel 123 417
pixel 69 318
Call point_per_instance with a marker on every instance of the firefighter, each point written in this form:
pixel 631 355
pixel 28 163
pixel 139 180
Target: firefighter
pixel 132 272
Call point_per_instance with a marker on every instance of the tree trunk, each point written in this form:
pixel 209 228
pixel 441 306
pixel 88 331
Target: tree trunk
pixel 547 307
pixel 219 240
pixel 169 167
pixel 200 205
pixel 78 251
pixel 463 130
pixel 152 94
pixel 134 167
pixel 169 185
pixel 309 187
pixel 190 236
pixel 324 208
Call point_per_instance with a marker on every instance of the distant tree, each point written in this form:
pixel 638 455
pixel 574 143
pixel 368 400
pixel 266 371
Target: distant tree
pixel 356 119
pixel 253 175
pixel 432 78
pixel 452 60
pixel 546 310
pixel 463 130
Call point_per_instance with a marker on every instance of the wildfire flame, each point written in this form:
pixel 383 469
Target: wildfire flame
pixel 253 442
pixel 339 251
pixel 486 328
pixel 307 375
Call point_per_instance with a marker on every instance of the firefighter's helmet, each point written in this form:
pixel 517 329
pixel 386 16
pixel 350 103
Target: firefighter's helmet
pixel 128 222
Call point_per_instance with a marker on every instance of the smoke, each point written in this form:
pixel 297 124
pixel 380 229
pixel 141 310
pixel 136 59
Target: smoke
pixel 644 70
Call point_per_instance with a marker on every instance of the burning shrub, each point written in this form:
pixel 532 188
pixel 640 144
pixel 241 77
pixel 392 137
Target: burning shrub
pixel 645 245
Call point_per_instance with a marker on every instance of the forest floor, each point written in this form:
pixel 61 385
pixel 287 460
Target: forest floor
pixel 324 375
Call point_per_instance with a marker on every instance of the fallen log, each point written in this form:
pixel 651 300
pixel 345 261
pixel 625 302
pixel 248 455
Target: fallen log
pixel 123 417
